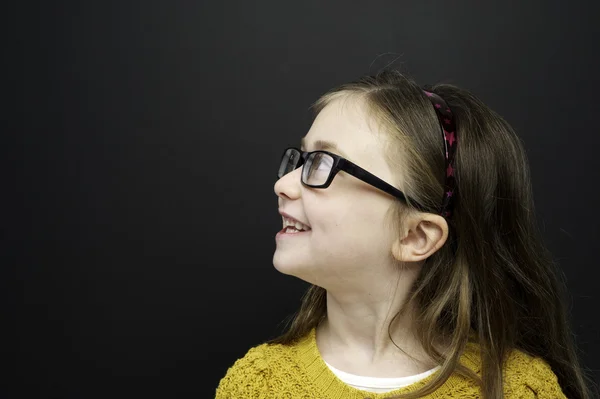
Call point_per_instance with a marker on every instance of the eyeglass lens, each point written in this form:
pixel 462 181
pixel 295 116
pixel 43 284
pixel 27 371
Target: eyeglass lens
pixel 315 170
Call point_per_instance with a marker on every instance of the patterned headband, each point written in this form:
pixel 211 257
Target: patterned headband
pixel 448 126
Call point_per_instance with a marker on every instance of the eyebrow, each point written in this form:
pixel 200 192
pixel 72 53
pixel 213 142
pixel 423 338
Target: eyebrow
pixel 324 145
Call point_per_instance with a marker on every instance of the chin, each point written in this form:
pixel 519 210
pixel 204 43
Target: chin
pixel 288 268
pixel 292 267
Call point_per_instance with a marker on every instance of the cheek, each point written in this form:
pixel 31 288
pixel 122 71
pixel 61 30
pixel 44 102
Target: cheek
pixel 351 222
pixel 358 232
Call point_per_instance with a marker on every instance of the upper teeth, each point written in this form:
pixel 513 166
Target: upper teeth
pixel 289 222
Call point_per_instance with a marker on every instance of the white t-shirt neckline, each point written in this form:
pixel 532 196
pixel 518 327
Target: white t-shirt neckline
pixel 379 384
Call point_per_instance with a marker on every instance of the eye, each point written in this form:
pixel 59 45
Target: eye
pixel 324 162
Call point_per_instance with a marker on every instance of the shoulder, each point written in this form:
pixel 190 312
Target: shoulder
pixel 248 377
pixel 530 377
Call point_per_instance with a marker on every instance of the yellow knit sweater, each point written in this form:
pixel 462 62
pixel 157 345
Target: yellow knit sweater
pixel 298 371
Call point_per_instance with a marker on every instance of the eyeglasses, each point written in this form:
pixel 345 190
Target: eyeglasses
pixel 320 167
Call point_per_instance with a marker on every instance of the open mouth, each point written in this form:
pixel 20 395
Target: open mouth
pixel 291 231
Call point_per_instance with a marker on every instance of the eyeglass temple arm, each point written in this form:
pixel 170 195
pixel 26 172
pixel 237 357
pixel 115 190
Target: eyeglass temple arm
pixel 370 178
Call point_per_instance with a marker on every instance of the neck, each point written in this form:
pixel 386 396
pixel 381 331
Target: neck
pixel 358 327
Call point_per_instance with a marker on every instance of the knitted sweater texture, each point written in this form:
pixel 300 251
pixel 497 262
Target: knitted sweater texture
pixel 298 371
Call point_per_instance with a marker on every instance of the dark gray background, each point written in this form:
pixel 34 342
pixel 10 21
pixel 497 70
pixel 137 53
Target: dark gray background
pixel 142 141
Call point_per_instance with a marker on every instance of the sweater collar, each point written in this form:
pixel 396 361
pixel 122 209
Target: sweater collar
pixel 332 387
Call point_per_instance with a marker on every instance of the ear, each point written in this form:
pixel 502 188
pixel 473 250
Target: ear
pixel 423 234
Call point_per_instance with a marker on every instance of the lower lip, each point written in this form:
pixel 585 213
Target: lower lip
pixel 283 234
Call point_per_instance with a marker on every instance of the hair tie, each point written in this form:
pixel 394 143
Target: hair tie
pixel 446 119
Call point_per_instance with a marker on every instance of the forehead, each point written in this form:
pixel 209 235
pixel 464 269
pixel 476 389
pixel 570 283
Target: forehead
pixel 345 123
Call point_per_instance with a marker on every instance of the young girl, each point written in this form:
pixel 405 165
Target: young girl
pixel 410 213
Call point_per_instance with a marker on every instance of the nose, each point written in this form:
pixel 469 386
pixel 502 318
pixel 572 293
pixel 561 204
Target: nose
pixel 289 185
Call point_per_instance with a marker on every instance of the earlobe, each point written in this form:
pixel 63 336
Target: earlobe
pixel 423 236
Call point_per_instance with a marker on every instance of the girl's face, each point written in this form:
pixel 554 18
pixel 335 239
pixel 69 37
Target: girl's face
pixel 349 241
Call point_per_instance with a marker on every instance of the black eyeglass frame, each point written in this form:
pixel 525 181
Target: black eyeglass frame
pixel 342 164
